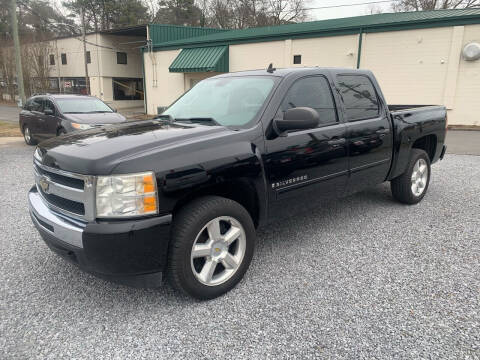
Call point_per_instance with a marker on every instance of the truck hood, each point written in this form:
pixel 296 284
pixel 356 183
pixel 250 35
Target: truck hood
pixel 96 118
pixel 98 151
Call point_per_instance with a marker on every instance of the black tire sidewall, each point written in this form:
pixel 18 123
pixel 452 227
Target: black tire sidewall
pixel 185 237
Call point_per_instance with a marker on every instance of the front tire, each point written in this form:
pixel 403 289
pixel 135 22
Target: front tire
pixel 411 186
pixel 28 137
pixel 212 245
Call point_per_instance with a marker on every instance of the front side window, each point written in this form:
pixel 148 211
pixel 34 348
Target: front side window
pixel 36 104
pixel 47 104
pixel 313 92
pixel 230 101
pixel 79 105
pixel 359 97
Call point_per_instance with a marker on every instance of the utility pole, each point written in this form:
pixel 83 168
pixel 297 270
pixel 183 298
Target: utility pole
pixel 87 82
pixel 18 57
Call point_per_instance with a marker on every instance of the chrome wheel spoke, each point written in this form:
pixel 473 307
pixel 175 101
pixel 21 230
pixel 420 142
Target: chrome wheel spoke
pixel 207 271
pixel 213 229
pixel 229 261
pixel 202 250
pixel 231 235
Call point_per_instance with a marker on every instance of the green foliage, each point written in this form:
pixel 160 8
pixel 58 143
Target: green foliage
pixel 109 14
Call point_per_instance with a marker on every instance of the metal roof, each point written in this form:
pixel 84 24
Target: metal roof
pixel 160 33
pixel 214 58
pixel 332 27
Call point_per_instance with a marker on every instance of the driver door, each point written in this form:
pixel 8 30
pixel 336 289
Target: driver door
pixel 305 167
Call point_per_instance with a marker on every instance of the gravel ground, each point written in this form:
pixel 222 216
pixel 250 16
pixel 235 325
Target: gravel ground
pixel 364 277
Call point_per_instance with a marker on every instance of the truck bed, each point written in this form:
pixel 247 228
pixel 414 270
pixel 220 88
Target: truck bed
pixel 414 124
pixel 407 107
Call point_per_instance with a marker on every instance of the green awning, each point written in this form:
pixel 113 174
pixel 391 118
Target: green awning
pixel 202 59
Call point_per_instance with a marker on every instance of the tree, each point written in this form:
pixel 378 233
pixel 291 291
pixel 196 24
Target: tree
pixel 179 12
pixel 109 14
pixel 420 5
pixel 241 14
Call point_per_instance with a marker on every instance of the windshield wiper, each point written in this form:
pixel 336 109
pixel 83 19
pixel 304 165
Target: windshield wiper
pixel 198 120
pixel 97 112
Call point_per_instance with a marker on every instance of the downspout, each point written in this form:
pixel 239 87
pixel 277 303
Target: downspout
pixel 144 87
pixel 359 55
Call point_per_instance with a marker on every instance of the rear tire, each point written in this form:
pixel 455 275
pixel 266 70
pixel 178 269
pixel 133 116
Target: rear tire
pixel 212 245
pixel 28 137
pixel 412 185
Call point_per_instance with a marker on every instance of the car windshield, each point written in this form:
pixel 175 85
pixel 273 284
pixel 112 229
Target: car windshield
pixel 82 105
pixel 229 101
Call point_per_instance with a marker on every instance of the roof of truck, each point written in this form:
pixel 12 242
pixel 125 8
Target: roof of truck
pixel 282 72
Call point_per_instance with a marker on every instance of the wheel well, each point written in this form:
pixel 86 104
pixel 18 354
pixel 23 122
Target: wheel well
pixel 241 191
pixel 428 144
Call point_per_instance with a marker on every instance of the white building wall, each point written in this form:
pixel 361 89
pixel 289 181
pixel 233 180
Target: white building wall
pixel 336 51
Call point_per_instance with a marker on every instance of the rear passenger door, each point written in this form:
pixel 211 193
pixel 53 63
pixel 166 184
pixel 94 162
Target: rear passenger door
pixel 369 132
pixel 305 167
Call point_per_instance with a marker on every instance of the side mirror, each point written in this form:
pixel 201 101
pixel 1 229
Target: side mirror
pixel 300 118
pixel 48 112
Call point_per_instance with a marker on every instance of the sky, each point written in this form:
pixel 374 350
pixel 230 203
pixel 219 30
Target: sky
pixel 347 11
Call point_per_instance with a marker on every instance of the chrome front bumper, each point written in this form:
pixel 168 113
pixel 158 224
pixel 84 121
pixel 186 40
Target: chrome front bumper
pixel 69 231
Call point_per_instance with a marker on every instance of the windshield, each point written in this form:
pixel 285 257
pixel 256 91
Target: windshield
pixel 82 105
pixel 230 101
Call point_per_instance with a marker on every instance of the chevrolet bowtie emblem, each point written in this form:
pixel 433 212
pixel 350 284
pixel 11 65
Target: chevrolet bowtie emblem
pixel 44 184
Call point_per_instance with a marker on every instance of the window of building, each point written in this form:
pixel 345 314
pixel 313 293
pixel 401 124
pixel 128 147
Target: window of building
pixel 64 59
pixel 52 59
pixel 89 60
pixel 359 97
pixel 122 58
pixel 297 59
pixel 313 92
pixel 40 61
pixel 127 89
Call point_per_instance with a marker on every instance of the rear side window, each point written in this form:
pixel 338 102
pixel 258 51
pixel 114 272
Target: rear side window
pixel 313 92
pixel 359 97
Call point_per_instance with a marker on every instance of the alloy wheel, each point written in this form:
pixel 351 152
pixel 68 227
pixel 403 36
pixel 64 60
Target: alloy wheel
pixel 419 177
pixel 218 251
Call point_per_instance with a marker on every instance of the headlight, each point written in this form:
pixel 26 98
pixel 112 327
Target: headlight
pixel 126 195
pixel 81 126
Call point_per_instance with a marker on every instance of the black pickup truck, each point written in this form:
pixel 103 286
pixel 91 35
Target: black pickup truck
pixel 182 195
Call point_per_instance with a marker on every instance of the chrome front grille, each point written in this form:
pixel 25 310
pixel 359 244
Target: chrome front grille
pixel 65 192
